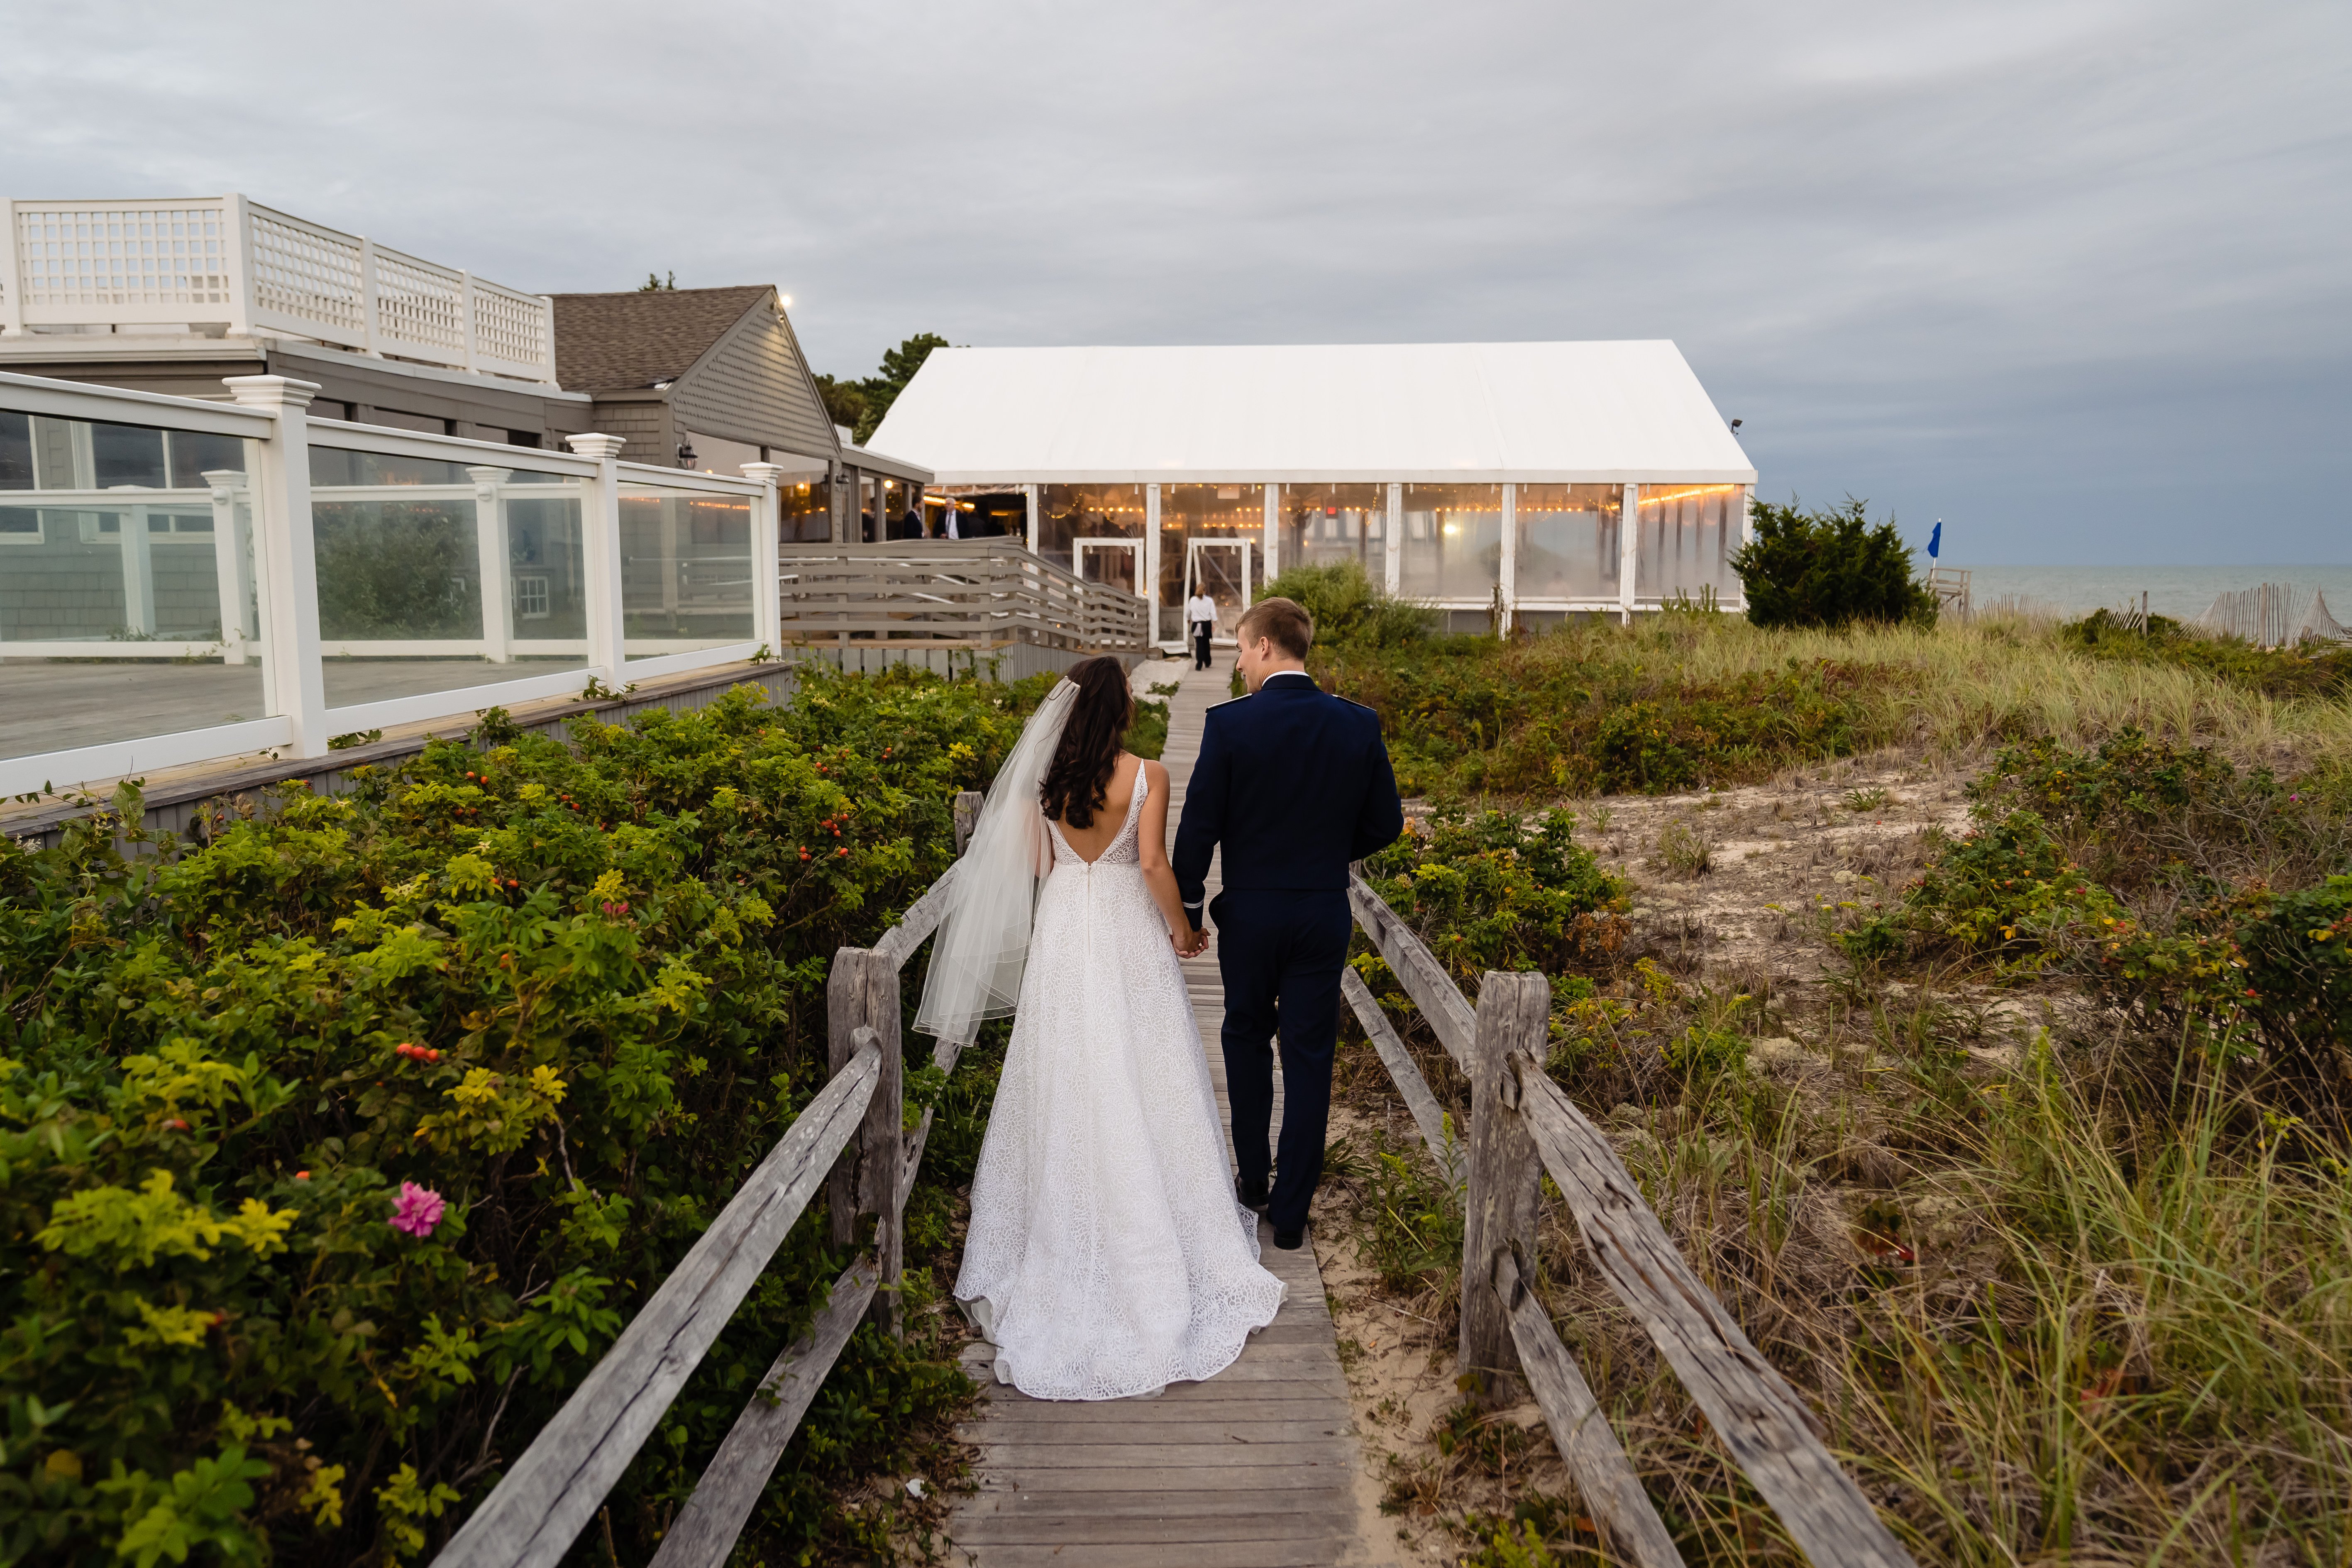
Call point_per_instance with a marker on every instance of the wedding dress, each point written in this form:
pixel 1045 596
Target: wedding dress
pixel 1106 1255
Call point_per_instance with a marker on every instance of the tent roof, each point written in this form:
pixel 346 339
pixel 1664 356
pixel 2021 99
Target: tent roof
pixel 1601 413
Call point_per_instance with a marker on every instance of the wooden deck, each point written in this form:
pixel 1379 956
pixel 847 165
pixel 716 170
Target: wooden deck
pixel 1258 1468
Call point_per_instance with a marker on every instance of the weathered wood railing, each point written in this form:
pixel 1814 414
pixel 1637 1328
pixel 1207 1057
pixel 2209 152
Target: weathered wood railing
pixel 1521 1126
pixel 854 1128
pixel 972 593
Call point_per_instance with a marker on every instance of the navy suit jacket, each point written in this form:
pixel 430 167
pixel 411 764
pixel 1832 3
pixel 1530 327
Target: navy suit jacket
pixel 1295 784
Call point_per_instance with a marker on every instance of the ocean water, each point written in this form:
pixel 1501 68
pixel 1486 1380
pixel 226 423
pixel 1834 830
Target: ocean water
pixel 2182 592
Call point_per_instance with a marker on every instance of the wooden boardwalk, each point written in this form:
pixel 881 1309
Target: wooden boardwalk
pixel 1258 1468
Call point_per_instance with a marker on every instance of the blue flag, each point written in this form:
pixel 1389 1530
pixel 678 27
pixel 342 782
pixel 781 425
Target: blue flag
pixel 1936 541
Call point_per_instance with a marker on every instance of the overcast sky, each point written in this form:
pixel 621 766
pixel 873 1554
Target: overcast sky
pixel 2074 276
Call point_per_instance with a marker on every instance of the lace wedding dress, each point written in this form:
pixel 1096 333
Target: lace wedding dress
pixel 1106 1256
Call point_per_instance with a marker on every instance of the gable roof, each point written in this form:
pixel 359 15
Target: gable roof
pixel 615 343
pixel 1598 412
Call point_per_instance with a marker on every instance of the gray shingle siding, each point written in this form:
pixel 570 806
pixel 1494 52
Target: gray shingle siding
pixel 753 387
pixel 640 423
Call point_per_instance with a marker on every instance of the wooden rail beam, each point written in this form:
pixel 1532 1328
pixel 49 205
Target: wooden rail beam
pixel 1760 1419
pixel 1498 1212
pixel 862 993
pixel 1604 1476
pixel 922 917
pixel 533 1515
pixel 705 1531
pixel 1441 1001
pixel 1428 1116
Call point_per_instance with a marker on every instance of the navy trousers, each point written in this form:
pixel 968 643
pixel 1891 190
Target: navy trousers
pixel 1281 954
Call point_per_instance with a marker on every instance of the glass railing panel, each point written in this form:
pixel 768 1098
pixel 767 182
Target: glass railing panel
pixel 686 570
pixel 128 606
pixel 436 575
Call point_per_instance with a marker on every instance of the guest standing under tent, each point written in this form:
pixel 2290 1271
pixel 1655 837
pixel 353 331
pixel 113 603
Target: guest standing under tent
pixel 1201 611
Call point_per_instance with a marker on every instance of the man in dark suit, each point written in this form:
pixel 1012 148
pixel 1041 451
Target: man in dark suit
pixel 1295 784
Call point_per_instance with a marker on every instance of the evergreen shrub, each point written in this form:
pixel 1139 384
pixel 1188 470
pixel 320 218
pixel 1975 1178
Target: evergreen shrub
pixel 1829 569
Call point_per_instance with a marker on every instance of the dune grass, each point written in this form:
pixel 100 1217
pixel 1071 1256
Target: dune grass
pixel 2081 1294
pixel 1682 701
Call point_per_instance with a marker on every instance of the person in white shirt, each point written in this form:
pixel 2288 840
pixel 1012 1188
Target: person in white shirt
pixel 1201 615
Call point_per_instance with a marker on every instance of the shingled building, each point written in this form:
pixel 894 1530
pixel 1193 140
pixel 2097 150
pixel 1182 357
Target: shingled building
pixel 712 379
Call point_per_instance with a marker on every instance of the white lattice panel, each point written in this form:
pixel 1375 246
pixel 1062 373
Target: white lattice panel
pixel 122 261
pixel 183 260
pixel 310 274
pixel 419 303
pixel 509 327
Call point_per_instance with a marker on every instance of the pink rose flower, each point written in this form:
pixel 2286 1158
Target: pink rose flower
pixel 417 1209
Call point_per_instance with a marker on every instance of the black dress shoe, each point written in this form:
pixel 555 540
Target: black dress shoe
pixel 1290 1240
pixel 1252 1197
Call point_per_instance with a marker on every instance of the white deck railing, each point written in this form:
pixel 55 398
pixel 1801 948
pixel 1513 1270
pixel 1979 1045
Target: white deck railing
pixel 582 566
pixel 227 259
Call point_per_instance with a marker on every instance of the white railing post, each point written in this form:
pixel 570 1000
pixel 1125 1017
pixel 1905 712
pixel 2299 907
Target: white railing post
pixel 1629 550
pixel 767 566
pixel 236 258
pixel 465 315
pixel 138 547
pixel 367 297
pixel 600 540
pixel 491 553
pixel 546 338
pixel 287 556
pixel 12 285
pixel 1510 568
pixel 232 565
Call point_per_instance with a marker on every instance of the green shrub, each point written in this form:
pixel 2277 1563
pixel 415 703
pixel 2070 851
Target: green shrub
pixel 328 1140
pixel 1350 609
pixel 2309 669
pixel 1591 709
pixel 1416 1240
pixel 2298 976
pixel 1829 569
pixel 1490 890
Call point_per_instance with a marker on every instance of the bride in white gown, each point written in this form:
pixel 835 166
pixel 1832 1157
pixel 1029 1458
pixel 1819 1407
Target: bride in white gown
pixel 1106 1255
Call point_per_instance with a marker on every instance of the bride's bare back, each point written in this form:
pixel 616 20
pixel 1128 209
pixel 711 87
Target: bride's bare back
pixel 1151 839
pixel 1110 816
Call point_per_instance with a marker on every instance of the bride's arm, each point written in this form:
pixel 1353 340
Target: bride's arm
pixel 1152 849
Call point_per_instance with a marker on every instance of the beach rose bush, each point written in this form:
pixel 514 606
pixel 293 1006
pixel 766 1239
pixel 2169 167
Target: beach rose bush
pixel 335 1148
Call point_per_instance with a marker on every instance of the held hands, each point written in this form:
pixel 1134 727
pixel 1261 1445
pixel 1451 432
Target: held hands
pixel 1192 944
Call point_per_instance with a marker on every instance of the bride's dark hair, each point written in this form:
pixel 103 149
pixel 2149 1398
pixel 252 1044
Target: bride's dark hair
pixel 1078 782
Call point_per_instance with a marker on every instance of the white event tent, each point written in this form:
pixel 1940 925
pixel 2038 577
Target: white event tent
pixel 1483 477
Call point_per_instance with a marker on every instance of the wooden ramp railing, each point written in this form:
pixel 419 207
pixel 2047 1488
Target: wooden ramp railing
pixel 1522 1125
pixel 854 1128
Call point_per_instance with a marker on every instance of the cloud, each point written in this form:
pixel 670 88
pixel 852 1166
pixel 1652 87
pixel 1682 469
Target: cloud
pixel 2071 275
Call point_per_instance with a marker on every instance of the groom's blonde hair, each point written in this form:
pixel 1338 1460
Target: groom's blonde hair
pixel 1285 621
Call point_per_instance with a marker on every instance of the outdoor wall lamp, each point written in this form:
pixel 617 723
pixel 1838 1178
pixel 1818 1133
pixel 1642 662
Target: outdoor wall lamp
pixel 686 454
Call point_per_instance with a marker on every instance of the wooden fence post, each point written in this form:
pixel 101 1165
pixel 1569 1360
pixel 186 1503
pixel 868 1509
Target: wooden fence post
pixel 1499 1210
pixel 967 817
pixel 863 991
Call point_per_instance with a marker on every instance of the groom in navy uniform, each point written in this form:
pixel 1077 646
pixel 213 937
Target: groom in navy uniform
pixel 1295 784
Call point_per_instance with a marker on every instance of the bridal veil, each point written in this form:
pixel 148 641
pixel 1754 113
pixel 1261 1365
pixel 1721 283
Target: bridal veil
pixel 983 943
